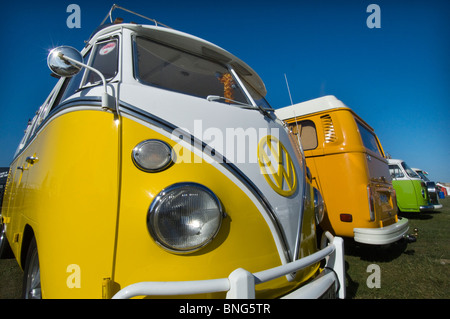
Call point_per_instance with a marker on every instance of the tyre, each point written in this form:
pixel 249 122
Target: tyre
pixel 5 249
pixel 31 288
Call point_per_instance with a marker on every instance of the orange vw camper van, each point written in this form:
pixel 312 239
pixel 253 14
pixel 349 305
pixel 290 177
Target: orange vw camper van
pixel 348 165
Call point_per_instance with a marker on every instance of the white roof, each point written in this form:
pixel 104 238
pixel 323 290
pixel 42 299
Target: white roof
pixel 394 161
pixel 308 107
pixel 194 45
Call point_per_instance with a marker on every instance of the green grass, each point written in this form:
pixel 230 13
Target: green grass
pixel 419 270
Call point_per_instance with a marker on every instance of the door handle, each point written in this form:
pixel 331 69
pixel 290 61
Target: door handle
pixel 31 159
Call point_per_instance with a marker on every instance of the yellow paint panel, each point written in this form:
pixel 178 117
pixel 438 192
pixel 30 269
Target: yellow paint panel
pixel 70 201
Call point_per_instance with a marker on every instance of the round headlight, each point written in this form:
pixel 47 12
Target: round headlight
pixel 184 217
pixel 152 155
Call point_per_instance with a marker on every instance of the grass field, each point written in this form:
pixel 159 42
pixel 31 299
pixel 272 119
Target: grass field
pixel 419 270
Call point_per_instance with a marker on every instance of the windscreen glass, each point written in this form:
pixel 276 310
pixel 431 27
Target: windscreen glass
pixel 172 69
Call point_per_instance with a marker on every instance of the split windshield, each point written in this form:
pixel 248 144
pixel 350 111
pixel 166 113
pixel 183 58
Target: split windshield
pixel 409 171
pixel 172 69
pixel 423 176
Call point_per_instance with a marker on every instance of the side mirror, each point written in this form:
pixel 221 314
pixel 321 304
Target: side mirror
pixel 61 66
pixel 66 61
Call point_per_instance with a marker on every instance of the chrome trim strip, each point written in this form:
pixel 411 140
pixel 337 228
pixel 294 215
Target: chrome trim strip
pixel 300 222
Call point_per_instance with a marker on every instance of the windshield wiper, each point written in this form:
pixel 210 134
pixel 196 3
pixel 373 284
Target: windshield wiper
pixel 240 104
pixel 231 102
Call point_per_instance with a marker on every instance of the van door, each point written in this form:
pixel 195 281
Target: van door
pixel 13 202
pixel 14 198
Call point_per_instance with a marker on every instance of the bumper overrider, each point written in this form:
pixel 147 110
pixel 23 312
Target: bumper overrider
pixel 240 284
pixel 384 235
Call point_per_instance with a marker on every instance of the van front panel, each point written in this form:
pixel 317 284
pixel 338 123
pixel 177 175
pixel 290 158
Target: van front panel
pixel 410 195
pixel 246 239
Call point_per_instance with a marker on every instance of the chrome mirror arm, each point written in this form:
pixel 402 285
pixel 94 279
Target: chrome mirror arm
pixel 105 96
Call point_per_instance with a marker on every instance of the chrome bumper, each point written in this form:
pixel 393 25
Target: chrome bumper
pixel 426 208
pixel 382 236
pixel 240 284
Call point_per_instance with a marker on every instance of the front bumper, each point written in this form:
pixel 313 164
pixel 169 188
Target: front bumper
pixel 383 235
pixel 426 208
pixel 240 284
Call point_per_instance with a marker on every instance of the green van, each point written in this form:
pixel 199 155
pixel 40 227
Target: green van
pixel 412 193
pixel 433 191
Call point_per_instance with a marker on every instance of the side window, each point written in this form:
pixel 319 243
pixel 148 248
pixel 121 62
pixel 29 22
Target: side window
pixel 37 120
pixel 25 137
pixel 308 133
pixel 43 111
pixel 61 94
pixel 368 138
pixel 105 59
pixel 395 171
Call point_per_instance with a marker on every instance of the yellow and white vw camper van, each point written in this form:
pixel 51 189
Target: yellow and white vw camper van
pixel 156 168
pixel 348 166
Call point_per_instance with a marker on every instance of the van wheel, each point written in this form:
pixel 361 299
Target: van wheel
pixel 31 288
pixel 5 249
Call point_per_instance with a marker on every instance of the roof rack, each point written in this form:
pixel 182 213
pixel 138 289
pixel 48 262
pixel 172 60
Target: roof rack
pixel 115 6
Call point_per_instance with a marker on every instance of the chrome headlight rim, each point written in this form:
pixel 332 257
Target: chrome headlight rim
pixel 156 204
pixel 159 168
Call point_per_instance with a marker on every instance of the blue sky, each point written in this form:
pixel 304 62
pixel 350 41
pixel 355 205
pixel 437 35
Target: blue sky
pixel 396 77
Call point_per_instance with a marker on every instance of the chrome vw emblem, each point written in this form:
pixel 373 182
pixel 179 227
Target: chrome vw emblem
pixel 277 166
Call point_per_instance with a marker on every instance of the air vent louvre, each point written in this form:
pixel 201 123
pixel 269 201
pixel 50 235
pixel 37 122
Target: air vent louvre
pixel 328 129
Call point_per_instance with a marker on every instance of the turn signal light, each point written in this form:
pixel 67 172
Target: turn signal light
pixel 152 155
pixel 347 218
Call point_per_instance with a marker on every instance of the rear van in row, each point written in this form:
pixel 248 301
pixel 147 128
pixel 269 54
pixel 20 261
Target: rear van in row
pixel 348 165
pixel 413 195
